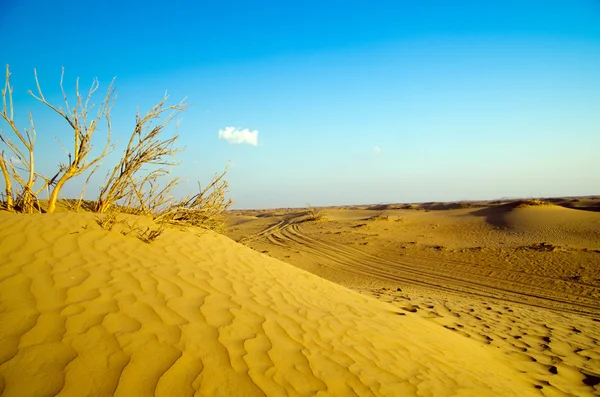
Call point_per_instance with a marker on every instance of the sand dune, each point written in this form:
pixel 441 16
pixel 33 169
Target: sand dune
pixel 452 252
pixel 85 311
pixel 550 223
pixel 520 278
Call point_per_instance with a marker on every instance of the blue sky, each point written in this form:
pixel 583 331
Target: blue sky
pixel 354 102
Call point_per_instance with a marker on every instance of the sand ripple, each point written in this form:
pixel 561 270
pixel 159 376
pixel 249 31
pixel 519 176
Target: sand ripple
pixel 87 312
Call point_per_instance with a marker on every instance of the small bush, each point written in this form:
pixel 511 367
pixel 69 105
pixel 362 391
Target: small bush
pixel 149 235
pixel 108 221
pixel 314 215
pixel 533 203
pixel 379 217
pixel 206 209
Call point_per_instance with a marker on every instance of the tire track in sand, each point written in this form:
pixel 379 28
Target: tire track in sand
pixel 446 275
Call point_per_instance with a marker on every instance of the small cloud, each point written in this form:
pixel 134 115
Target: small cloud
pixel 15 160
pixel 376 150
pixel 234 135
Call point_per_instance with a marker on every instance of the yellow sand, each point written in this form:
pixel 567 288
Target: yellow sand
pixel 523 279
pixel 89 312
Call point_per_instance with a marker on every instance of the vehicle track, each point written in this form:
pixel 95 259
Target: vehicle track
pixel 446 275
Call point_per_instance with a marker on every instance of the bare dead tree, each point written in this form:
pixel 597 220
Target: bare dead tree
pixel 127 183
pixel 84 124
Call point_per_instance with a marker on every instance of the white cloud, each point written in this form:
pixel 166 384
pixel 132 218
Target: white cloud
pixel 15 160
pixel 234 135
pixel 376 150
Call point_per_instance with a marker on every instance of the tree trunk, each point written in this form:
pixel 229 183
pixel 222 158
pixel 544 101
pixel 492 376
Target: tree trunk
pixel 54 195
pixel 102 206
pixel 8 184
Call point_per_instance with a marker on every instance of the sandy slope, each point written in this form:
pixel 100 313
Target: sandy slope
pixel 85 311
pixel 522 279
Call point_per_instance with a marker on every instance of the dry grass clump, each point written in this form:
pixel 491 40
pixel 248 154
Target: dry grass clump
pixel 147 234
pixel 77 204
pixel 206 209
pixel 315 215
pixel 540 247
pixel 108 221
pixel 379 217
pixel 532 203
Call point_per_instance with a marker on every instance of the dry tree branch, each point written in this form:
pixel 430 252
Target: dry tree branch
pixel 205 209
pixel 83 189
pixel 83 131
pixel 129 182
pixel 145 147
pixel 148 196
pixel 26 196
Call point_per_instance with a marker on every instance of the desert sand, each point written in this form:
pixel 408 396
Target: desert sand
pixel 522 277
pixel 390 302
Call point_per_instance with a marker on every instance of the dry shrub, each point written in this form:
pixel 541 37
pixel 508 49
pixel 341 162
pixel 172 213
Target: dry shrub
pixel 314 215
pixel 107 221
pixel 533 203
pixel 129 228
pixel 76 205
pixel 83 119
pixel 129 183
pixel 84 124
pixel 20 168
pixel 140 183
pixel 133 189
pixel 379 217
pixel 206 209
pixel 147 234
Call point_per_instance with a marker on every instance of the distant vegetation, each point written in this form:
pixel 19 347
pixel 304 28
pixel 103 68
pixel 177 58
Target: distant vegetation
pixel 379 217
pixel 140 183
pixel 313 214
pixel 532 203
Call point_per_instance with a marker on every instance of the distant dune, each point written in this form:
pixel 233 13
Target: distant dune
pixel 85 311
pixel 521 276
